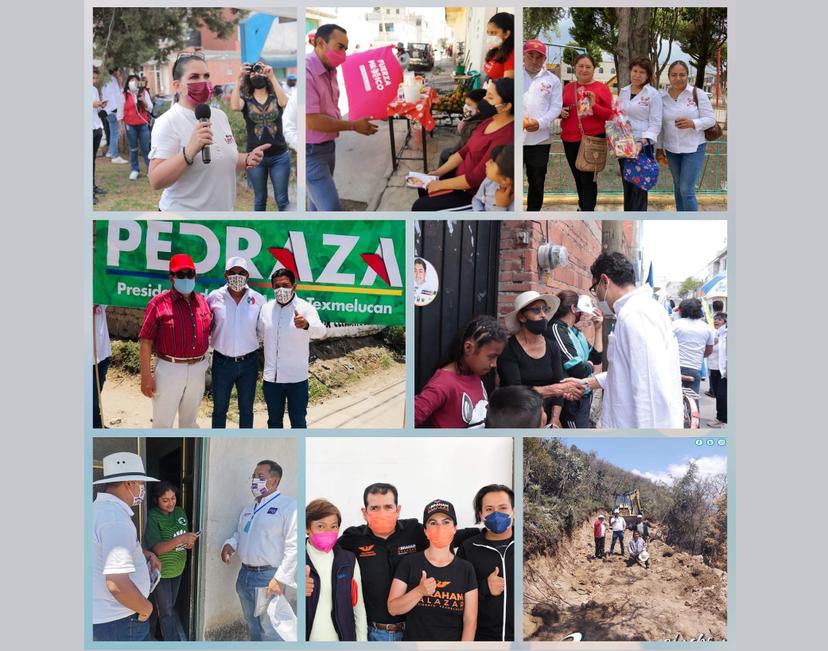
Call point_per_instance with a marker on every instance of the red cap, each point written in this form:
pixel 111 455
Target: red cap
pixel 181 261
pixel 534 45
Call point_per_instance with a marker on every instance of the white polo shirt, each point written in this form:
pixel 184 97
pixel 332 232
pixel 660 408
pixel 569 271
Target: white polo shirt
pixel 693 335
pixel 542 101
pixel 266 536
pixel 207 187
pixel 684 141
pixel 643 111
pixel 286 347
pixel 642 386
pixel 115 550
pixel 103 346
pixel 234 324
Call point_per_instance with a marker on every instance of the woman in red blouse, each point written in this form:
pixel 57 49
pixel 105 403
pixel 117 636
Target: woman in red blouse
pixel 500 36
pixel 599 98
pixel 464 171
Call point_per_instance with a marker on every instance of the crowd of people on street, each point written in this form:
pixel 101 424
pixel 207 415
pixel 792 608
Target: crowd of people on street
pixel 394 579
pixel 137 581
pixel 637 551
pixel 543 362
pixel 235 321
pixel 672 126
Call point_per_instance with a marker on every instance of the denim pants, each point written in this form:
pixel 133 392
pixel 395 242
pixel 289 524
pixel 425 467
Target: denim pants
pixel 685 169
pixel 695 384
pixel 276 167
pixel 166 594
pixel 296 395
pixel 139 135
pixel 259 628
pixel 113 134
pixel 320 161
pixel 619 536
pixel 378 635
pixel 128 629
pixel 103 366
pixel 243 374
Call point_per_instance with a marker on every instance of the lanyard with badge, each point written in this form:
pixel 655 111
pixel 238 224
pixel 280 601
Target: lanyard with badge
pixel 256 510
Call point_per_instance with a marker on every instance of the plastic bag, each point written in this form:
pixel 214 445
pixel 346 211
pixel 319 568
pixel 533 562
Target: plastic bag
pixel 283 618
pixel 584 105
pixel 620 136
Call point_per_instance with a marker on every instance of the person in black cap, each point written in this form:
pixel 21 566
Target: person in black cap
pixel 434 589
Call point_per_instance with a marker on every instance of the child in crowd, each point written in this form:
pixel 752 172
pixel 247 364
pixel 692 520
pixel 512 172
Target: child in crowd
pixel 496 193
pixel 455 396
pixel 517 407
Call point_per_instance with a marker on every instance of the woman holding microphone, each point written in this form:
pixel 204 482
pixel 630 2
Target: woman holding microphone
pixel 194 156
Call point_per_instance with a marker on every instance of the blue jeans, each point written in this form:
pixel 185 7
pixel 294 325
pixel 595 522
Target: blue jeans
pixel 378 635
pixel 296 395
pixel 135 136
pixel 128 629
pixel 320 161
pixel 113 134
pixel 226 373
pixel 103 366
pixel 166 594
pixel 619 536
pixel 695 384
pixel 685 169
pixel 259 628
pixel 278 168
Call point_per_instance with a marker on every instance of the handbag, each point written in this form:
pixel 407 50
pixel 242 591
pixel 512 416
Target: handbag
pixel 641 171
pixel 592 152
pixel 712 133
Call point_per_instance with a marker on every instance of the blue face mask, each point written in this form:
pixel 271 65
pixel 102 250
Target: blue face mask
pixel 184 285
pixel 497 521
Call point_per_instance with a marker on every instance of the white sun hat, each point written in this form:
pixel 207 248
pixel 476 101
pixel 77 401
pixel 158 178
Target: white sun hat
pixel 236 261
pixel 527 298
pixel 644 556
pixel 123 466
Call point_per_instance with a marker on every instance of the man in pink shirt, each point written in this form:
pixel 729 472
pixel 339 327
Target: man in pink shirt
pixel 324 121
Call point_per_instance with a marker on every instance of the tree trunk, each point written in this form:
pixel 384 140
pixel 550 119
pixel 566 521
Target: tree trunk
pixel 612 236
pixel 633 40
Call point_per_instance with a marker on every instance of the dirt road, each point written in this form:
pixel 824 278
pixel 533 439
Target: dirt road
pixel 376 401
pixel 608 600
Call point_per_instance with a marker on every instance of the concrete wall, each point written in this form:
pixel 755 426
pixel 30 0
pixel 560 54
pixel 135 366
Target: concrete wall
pixel 422 469
pixel 229 465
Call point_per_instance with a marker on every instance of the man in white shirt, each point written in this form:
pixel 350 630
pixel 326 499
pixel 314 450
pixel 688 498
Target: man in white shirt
pixel 265 540
pixel 721 389
pixel 235 308
pixel 289 117
pixel 113 94
pixel 618 525
pixel 103 351
pixel 642 386
pixel 286 325
pixel 120 567
pixel 290 85
pixel 542 101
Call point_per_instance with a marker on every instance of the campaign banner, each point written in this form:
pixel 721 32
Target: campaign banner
pixel 350 271
pixel 372 80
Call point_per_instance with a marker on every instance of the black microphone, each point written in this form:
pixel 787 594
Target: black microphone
pixel 202 113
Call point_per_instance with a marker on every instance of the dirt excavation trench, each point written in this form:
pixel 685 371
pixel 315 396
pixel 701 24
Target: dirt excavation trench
pixel 677 598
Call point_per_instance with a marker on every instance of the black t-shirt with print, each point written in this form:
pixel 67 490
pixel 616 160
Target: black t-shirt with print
pixel 264 124
pixel 439 616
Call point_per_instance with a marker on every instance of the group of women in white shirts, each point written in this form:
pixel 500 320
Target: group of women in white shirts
pixel 673 120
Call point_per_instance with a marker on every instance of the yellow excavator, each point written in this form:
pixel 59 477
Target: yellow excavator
pixel 628 504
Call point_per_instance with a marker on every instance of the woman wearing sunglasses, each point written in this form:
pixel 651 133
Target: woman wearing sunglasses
pixel 195 161
pixel 533 360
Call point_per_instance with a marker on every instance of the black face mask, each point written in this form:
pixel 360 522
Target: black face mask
pixel 258 82
pixel 485 110
pixel 536 327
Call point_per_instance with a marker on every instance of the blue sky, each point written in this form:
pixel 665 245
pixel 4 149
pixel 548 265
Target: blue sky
pixel 662 458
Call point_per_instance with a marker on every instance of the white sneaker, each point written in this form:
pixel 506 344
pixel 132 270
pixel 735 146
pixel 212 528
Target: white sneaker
pixel 119 161
pixel 108 154
pixel 133 175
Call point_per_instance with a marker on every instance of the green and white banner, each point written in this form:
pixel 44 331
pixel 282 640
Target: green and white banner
pixel 349 270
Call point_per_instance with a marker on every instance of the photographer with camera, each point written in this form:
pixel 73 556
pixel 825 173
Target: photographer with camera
pixel 262 100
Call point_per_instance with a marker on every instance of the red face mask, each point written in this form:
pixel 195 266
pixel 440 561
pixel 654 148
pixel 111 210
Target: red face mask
pixel 381 523
pixel 336 57
pixel 199 92
pixel 440 536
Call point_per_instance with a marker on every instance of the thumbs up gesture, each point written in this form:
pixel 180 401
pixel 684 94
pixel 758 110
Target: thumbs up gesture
pixel 427 585
pixel 496 583
pixel 308 582
pixel 299 321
